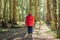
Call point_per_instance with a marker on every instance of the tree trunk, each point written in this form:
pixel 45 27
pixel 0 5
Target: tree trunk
pixel 30 5
pixel 22 10
pixel 48 12
pixel 58 31
pixel 0 9
pixel 4 15
pixel 11 10
pixel 14 12
pixel 36 10
pixel 54 13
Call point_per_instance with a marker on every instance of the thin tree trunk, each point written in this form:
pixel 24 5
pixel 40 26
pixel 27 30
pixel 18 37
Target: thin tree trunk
pixel 11 10
pixel 0 9
pixel 4 15
pixel 48 12
pixel 58 31
pixel 36 10
pixel 22 11
pixel 54 13
pixel 30 5
pixel 14 12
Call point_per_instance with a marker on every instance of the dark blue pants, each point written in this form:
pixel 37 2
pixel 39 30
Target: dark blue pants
pixel 30 29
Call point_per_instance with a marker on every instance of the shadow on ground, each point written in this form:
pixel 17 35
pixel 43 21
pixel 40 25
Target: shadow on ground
pixel 14 34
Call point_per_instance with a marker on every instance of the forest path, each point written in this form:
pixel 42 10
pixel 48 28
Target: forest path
pixel 40 32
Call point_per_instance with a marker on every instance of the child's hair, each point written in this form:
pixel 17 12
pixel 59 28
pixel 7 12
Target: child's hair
pixel 29 13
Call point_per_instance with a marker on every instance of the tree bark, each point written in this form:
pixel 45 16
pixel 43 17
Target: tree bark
pixel 22 10
pixel 4 15
pixel 58 30
pixel 36 10
pixel 14 12
pixel 0 9
pixel 54 13
pixel 30 5
pixel 48 12
pixel 11 10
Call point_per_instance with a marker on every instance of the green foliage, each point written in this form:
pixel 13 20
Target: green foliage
pixel 3 30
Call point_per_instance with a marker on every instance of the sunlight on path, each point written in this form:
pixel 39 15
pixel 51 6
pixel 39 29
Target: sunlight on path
pixel 40 32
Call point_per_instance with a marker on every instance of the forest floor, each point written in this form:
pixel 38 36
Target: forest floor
pixel 40 32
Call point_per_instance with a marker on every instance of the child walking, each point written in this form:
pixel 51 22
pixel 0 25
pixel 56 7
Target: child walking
pixel 29 23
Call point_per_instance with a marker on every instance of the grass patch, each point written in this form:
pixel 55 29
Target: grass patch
pixel 3 30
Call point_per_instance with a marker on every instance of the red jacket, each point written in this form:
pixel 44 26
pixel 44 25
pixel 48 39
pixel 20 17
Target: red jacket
pixel 29 20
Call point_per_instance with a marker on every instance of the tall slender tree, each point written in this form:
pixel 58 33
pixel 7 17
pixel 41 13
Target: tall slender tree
pixel 36 10
pixel 22 10
pixel 14 12
pixel 55 13
pixel 11 10
pixel 48 12
pixel 0 8
pixel 4 15
pixel 4 12
pixel 30 5
pixel 58 29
